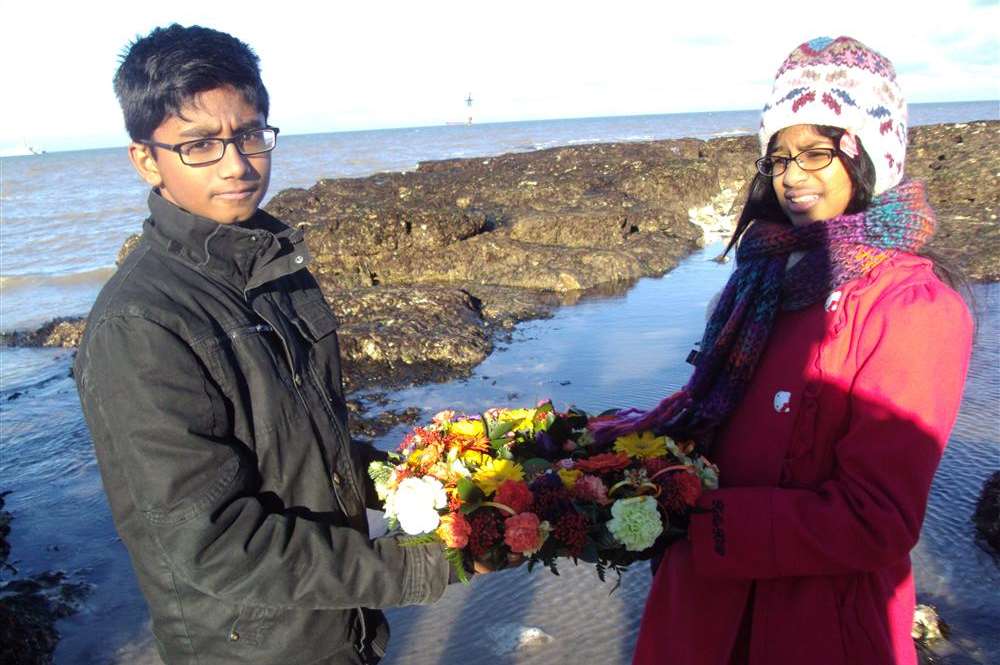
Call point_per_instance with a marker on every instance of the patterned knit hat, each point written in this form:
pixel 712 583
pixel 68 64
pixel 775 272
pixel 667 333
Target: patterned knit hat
pixel 842 83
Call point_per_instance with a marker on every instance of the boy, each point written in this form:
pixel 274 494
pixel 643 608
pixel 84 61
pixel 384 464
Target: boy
pixel 210 380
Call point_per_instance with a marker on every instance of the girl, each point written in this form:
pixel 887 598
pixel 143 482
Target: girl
pixel 828 379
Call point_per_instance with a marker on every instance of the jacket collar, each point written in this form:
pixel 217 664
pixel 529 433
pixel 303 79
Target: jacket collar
pixel 246 255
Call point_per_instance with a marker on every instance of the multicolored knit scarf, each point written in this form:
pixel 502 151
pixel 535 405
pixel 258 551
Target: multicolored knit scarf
pixel 836 251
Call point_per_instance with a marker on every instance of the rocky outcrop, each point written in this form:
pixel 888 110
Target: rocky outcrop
pixel 928 631
pixel 30 607
pixel 564 219
pixel 424 267
pixel 987 515
pixel 59 333
pixel 960 163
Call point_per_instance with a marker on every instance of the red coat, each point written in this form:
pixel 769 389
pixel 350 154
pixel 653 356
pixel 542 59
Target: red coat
pixel 825 470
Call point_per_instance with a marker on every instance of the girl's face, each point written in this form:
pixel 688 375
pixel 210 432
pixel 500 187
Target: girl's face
pixel 809 196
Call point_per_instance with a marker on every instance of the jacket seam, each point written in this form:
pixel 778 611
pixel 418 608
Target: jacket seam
pixel 230 469
pixel 180 606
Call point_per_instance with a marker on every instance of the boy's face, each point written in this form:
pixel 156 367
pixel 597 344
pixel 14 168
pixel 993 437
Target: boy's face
pixel 226 191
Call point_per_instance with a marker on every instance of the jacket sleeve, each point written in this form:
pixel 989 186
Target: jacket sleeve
pixel 913 357
pixel 167 436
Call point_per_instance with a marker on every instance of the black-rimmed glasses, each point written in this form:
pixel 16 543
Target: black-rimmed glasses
pixel 813 159
pixel 201 152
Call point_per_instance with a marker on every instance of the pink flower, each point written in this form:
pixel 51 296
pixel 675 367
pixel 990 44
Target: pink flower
pixel 522 533
pixel 515 495
pixel 591 488
pixel 454 530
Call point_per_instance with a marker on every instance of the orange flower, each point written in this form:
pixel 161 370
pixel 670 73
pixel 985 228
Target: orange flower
pixel 454 530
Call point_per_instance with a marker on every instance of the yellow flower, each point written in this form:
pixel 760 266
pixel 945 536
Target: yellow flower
pixel 422 457
pixel 642 446
pixel 569 477
pixel 525 418
pixel 470 428
pixel 495 471
pixel 442 472
pixel 474 458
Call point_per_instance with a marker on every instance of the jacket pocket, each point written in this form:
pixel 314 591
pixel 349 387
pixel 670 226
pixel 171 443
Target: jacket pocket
pixel 252 625
pixel 807 461
pixel 315 320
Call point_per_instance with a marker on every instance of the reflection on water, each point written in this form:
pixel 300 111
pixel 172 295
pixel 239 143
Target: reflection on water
pixel 610 351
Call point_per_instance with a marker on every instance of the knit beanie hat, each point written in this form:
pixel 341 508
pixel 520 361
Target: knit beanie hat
pixel 842 83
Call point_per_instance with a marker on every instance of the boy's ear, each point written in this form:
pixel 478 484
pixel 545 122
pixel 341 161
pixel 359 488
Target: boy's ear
pixel 145 164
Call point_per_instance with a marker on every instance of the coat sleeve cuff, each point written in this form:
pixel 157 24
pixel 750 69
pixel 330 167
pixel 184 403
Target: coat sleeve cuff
pixel 733 536
pixel 427 574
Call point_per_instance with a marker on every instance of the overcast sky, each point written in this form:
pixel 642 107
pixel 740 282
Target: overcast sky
pixel 334 66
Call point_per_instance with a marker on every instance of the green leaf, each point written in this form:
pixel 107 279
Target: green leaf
pixel 455 558
pixel 469 492
pixel 500 447
pixel 379 472
pixel 535 467
pixel 498 429
pixel 422 539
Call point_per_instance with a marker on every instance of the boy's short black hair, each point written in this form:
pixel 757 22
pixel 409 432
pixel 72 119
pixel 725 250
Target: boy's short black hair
pixel 164 70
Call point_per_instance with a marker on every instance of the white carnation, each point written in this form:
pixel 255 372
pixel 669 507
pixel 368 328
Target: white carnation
pixel 416 504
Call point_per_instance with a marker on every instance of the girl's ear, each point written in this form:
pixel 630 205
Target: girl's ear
pixel 145 164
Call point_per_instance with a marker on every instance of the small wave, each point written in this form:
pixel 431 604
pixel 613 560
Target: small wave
pixel 585 141
pixel 731 132
pixel 94 277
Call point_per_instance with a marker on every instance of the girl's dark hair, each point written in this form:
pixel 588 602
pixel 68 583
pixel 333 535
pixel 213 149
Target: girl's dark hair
pixel 163 71
pixel 762 202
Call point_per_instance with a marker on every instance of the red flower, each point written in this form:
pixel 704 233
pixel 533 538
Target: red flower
pixel 522 534
pixel 515 495
pixel 551 502
pixel 680 491
pixel 603 463
pixel 654 465
pixel 571 530
pixel 486 529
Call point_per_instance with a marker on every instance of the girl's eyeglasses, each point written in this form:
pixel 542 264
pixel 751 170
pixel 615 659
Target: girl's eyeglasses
pixel 813 159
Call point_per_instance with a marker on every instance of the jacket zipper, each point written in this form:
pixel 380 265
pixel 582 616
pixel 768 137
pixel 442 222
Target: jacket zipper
pixel 249 330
